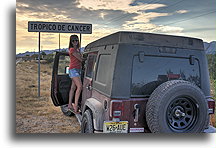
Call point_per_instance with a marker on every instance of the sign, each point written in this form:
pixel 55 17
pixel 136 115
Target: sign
pixel 58 27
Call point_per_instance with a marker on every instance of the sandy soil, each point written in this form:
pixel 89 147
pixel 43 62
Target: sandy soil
pixel 38 115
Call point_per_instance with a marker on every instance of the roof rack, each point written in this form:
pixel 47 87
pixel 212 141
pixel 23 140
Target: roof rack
pixel 141 38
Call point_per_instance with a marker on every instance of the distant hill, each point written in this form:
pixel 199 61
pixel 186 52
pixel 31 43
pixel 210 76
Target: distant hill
pixel 210 47
pixel 27 53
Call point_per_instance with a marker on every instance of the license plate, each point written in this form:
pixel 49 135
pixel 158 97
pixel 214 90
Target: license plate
pixel 115 127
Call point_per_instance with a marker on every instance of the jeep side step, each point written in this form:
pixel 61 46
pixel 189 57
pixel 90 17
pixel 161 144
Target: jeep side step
pixel 79 118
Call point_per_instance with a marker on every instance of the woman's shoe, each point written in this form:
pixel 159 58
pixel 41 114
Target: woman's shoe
pixel 76 109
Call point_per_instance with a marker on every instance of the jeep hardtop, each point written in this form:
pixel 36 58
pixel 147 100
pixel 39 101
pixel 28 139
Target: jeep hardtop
pixel 139 82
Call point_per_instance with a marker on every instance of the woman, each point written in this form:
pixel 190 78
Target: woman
pixel 74 72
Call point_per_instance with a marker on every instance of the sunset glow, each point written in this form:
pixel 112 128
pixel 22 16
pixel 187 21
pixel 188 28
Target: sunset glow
pixel 193 18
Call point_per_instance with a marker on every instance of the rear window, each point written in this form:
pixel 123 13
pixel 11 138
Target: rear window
pixel 102 74
pixel 90 64
pixel 153 71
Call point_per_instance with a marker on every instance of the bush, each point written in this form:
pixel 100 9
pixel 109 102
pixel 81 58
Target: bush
pixel 211 66
pixel 49 58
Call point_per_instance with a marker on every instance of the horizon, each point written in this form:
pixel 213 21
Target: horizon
pixel 81 48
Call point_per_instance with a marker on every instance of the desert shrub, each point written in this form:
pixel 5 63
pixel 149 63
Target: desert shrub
pixel 211 66
pixel 49 58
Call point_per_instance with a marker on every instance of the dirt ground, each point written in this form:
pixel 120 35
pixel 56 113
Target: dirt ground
pixel 38 115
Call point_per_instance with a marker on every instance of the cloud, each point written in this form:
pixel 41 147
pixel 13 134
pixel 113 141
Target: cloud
pixel 131 13
pixel 148 27
pixel 168 29
pixel 182 11
pixel 123 5
pixel 134 17
pixel 146 17
pixel 104 4
pixel 139 27
pixel 213 29
pixel 20 4
pixel 107 16
pixel 102 14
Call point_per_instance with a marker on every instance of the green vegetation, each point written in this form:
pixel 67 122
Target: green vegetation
pixel 211 66
pixel 49 58
pixel 213 88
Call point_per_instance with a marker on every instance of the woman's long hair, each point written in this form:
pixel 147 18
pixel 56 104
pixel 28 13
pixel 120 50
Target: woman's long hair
pixel 72 37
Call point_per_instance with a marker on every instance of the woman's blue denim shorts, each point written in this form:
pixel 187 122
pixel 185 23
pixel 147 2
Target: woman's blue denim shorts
pixel 74 72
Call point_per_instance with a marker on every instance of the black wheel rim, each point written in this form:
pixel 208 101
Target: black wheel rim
pixel 181 114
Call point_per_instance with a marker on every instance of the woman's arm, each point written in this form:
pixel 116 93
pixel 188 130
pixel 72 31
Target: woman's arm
pixel 77 55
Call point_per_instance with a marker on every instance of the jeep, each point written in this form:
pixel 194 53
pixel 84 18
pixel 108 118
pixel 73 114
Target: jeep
pixel 139 82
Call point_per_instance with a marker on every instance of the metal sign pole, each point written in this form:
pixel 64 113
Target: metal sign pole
pixel 39 66
pixel 80 39
pixel 59 41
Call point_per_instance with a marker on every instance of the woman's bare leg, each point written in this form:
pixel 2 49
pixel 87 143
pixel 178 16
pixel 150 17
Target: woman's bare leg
pixel 71 94
pixel 78 84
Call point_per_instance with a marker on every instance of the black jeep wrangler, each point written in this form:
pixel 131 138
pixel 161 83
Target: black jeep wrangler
pixel 139 82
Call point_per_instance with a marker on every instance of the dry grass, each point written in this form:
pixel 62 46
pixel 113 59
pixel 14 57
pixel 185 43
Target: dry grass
pixel 38 115
pixel 213 116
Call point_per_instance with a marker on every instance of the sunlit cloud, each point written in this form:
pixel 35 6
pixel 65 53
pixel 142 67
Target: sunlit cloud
pixel 152 28
pixel 106 17
pixel 104 4
pixel 28 41
pixel 145 17
pixel 168 30
pixel 182 11
pixel 102 14
pixel 100 32
pixel 123 5
pixel 22 5
pixel 138 22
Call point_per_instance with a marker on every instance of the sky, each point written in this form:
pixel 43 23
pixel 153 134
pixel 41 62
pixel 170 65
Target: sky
pixel 191 18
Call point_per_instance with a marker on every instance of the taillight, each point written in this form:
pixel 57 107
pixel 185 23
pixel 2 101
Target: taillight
pixel 211 106
pixel 173 76
pixel 116 108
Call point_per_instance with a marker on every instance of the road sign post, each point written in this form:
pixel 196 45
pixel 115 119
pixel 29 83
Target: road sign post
pixel 39 65
pixel 56 27
pixel 59 42
pixel 80 39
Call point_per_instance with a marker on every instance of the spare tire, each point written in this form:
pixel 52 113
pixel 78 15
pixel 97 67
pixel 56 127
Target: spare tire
pixel 177 106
